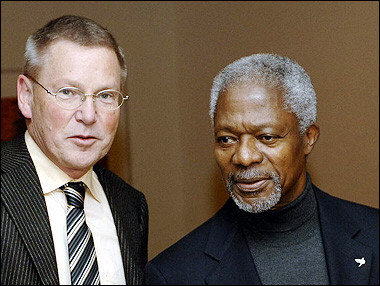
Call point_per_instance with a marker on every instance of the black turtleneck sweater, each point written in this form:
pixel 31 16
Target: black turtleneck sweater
pixel 286 244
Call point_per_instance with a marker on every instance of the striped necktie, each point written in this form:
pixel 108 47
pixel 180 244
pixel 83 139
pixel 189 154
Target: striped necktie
pixel 82 256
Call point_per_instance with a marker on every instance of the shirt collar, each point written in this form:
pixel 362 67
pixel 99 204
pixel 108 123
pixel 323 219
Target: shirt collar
pixel 50 175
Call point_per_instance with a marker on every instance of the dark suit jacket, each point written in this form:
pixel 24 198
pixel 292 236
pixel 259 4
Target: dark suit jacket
pixel 217 252
pixel 27 251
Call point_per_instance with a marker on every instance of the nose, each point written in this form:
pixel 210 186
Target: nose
pixel 87 111
pixel 247 152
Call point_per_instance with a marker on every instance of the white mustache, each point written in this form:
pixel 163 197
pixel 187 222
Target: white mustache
pixel 253 174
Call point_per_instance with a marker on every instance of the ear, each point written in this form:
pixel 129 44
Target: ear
pixel 24 95
pixel 311 136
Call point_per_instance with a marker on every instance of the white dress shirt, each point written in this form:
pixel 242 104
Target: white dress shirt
pixel 98 217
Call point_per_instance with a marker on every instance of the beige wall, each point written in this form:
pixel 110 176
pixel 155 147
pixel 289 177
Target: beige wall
pixel 164 146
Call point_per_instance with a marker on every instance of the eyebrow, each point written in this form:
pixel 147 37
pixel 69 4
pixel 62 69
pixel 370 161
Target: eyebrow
pixel 77 84
pixel 228 129
pixel 251 129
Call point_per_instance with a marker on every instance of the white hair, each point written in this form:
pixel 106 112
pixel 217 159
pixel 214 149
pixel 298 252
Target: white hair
pixel 271 70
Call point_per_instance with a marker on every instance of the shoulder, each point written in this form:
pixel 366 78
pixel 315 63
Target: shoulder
pixel 355 210
pixel 120 192
pixel 182 263
pixel 343 214
pixel 14 153
pixel 212 230
pixel 109 179
pixel 189 260
pixel 188 246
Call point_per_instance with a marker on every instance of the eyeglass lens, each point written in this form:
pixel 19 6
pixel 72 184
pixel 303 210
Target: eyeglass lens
pixel 70 97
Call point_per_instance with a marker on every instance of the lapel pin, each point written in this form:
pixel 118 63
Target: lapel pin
pixel 360 261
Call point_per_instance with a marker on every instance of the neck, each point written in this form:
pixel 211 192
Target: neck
pixel 286 218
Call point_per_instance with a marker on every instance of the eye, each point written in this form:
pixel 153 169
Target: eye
pixel 106 95
pixel 226 141
pixel 268 139
pixel 68 92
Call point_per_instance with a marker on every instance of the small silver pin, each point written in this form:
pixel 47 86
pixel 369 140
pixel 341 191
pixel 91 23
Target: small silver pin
pixel 360 261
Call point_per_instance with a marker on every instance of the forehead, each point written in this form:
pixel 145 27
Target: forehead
pixel 62 48
pixel 66 59
pixel 252 104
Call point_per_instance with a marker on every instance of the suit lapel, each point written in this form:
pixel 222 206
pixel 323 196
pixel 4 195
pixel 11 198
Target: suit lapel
pixel 228 246
pixel 22 196
pixel 341 248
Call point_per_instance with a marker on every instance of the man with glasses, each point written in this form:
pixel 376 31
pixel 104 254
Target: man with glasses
pixel 65 219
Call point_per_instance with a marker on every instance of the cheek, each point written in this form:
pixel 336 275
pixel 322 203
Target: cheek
pixel 46 115
pixel 111 123
pixel 287 160
pixel 223 159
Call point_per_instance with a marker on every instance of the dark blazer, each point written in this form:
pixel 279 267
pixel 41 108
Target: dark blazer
pixel 217 252
pixel 27 251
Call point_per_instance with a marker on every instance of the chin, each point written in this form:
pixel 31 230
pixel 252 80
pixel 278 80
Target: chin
pixel 256 205
pixel 82 162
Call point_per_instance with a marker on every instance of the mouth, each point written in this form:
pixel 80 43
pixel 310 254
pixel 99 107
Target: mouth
pixel 83 140
pixel 251 186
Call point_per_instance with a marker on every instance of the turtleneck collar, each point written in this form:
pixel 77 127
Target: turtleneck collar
pixel 288 218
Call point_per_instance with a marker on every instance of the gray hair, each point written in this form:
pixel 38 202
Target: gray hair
pixel 80 30
pixel 271 70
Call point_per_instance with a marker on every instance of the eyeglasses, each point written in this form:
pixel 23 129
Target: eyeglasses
pixel 72 97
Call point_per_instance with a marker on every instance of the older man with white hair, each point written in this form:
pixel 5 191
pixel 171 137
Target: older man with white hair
pixel 277 228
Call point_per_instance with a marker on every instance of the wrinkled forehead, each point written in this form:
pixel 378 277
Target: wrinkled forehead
pixel 249 92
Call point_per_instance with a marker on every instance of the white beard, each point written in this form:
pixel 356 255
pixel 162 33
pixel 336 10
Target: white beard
pixel 258 205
